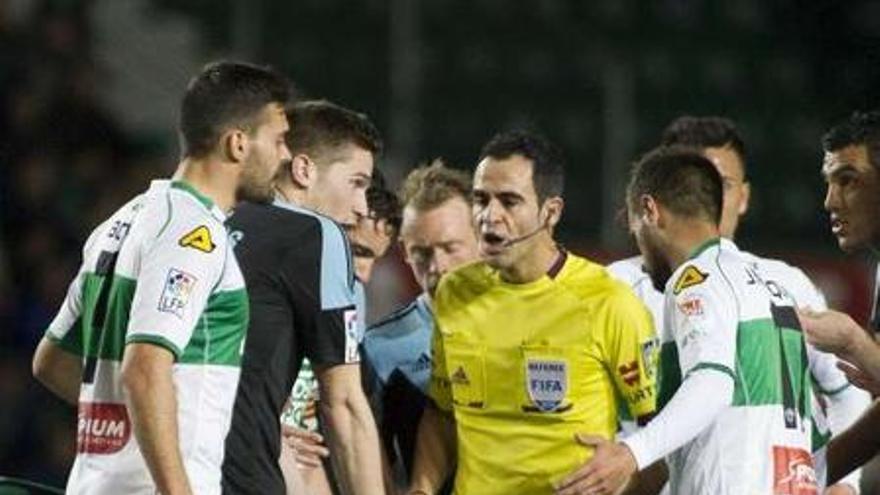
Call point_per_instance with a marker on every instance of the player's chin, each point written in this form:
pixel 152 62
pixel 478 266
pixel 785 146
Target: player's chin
pixel 260 195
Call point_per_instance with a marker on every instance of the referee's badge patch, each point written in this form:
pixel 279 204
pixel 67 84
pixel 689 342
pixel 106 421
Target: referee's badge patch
pixel 546 382
pixel 178 288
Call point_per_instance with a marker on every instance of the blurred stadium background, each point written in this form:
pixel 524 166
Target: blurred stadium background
pixel 88 92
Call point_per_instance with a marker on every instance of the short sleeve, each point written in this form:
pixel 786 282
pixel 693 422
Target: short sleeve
pixel 631 349
pixel 319 271
pixel 66 328
pixel 177 274
pixel 703 319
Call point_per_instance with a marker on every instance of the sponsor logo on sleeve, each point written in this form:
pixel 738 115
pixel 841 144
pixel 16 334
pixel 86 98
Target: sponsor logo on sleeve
pixel 691 306
pixel 546 383
pixel 178 289
pixel 629 373
pixel 198 238
pixel 690 277
pixel 793 472
pixel 352 355
pixel 102 428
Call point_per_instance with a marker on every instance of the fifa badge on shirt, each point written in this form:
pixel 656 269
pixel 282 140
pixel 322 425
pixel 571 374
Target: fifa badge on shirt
pixel 175 296
pixel 546 382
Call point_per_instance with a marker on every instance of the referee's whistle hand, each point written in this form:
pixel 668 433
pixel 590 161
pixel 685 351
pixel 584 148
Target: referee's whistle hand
pixel 605 474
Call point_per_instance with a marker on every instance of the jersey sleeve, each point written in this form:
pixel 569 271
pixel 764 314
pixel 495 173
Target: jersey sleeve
pixel 178 272
pixel 66 328
pixel 631 348
pixel 703 320
pixel 325 300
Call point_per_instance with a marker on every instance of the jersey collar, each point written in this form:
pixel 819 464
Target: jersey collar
pixel 715 241
pixel 201 198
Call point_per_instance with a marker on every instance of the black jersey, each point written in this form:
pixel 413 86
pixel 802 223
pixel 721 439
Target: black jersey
pixel 298 272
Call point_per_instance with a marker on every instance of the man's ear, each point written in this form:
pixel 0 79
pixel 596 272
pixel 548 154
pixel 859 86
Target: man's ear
pixel 552 211
pixel 302 170
pixel 234 144
pixel 650 214
pixel 746 196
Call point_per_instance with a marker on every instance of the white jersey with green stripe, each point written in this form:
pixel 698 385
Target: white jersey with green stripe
pixel 159 271
pixel 721 315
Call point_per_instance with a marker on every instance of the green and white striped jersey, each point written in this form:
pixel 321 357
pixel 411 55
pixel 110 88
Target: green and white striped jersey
pixel 160 270
pixel 721 314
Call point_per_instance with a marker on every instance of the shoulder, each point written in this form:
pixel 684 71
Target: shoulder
pixel 628 270
pixel 466 282
pixel 396 318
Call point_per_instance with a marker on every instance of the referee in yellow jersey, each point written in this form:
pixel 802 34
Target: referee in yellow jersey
pixel 532 345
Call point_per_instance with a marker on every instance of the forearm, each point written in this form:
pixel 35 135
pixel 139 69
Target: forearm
pixel 699 400
pixel 152 404
pixel 58 370
pixel 434 453
pixel 855 446
pixel 354 444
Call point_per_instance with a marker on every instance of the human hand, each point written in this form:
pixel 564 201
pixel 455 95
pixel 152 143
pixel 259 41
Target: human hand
pixel 859 378
pixel 308 446
pixel 605 474
pixel 831 331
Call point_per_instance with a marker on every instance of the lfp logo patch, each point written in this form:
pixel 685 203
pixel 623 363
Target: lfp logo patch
pixel 175 296
pixel 546 382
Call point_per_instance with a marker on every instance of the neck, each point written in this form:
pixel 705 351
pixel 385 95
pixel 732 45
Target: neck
pixel 534 263
pixel 209 178
pixel 685 237
pixel 292 194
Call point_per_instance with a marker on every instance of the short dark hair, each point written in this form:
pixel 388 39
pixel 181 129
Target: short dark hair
pixel 382 203
pixel 705 132
pixel 224 95
pixel 431 185
pixel 861 128
pixel 318 126
pixel 548 167
pixel 681 179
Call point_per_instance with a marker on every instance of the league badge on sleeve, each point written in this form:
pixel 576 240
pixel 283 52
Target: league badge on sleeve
pixel 352 355
pixel 547 383
pixel 178 288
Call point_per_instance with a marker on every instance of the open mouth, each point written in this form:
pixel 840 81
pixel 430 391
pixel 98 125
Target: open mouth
pixel 837 226
pixel 492 239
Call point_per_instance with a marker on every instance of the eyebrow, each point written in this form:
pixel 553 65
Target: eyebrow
pixel 500 194
pixel 362 175
pixel 838 170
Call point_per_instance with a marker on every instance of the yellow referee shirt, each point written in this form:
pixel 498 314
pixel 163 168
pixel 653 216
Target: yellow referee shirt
pixel 526 366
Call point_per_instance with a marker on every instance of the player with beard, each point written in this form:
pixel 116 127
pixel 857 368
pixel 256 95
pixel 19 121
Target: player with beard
pixel 148 340
pixel 297 264
pixel 718 140
pixel 734 372
pixel 851 168
pixel 532 344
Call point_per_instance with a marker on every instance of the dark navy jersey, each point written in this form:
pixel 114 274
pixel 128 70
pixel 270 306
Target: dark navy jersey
pixel 298 273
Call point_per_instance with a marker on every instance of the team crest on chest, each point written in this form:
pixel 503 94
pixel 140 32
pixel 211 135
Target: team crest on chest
pixel 690 277
pixel 546 382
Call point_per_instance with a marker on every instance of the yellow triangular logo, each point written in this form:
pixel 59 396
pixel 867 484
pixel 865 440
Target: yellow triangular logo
pixel 689 278
pixel 198 238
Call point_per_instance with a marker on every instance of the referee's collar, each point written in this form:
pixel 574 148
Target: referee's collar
pixel 557 265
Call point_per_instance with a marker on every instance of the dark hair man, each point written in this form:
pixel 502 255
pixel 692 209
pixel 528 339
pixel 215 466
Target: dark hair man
pixel 296 262
pixel 148 340
pixel 734 419
pixel 532 343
